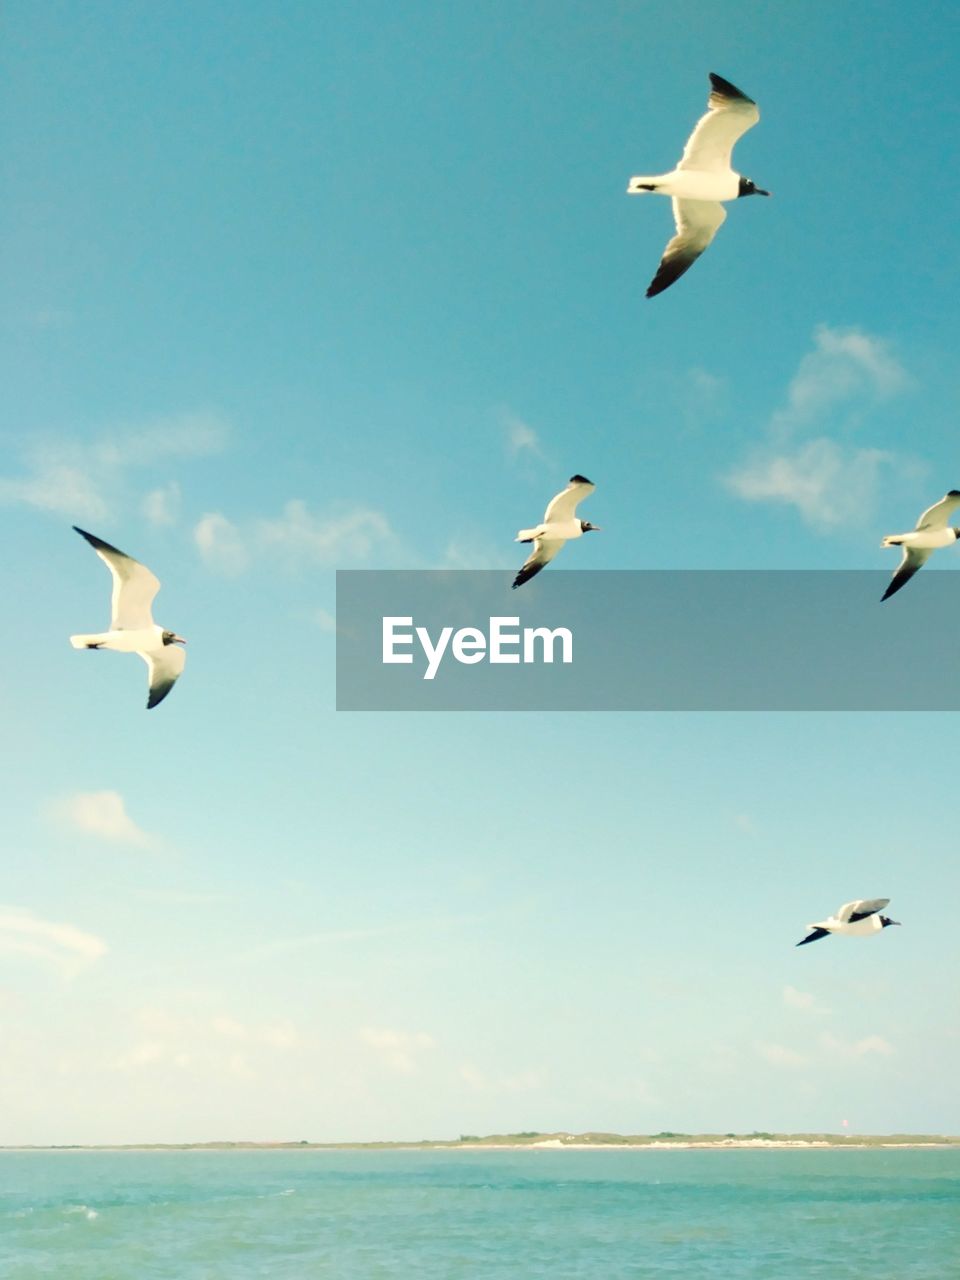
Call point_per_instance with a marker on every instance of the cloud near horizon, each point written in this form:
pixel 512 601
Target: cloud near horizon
pixel 221 1045
pixel 398 1050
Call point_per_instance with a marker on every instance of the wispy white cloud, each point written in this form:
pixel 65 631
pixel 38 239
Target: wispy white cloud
pixel 220 544
pixel 281 1035
pixel 85 479
pixel 795 999
pixel 64 946
pixel 238 1065
pixel 297 536
pixel 398 1050
pixel 520 437
pixel 462 553
pixel 224 1025
pixel 861 1048
pixel 101 813
pixel 162 506
pixel 482 1082
pixel 844 365
pixel 221 1045
pixel 779 1055
pixel 323 540
pixel 277 1035
pixel 829 478
pixel 700 395
pixel 142 1054
pixel 830 484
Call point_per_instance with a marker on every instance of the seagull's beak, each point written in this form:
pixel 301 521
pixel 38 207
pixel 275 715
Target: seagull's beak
pixel 759 191
pixel 895 922
pixel 178 640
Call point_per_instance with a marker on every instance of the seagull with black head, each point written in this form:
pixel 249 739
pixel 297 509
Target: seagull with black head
pixel 703 180
pixel 560 524
pixel 132 628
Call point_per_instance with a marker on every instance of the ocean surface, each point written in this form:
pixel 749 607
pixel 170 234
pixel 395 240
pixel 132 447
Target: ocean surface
pixel 520 1214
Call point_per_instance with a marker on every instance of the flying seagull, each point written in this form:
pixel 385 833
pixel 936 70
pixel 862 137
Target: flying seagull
pixel 560 524
pixel 856 919
pixel 932 531
pixel 132 628
pixel 702 179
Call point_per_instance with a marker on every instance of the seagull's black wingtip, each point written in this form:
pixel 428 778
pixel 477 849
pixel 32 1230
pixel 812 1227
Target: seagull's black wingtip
pixel 158 694
pixel 815 936
pixel 98 544
pixel 727 90
pixel 579 479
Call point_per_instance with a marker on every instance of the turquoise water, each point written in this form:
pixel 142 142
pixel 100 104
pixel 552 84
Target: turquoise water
pixel 357 1215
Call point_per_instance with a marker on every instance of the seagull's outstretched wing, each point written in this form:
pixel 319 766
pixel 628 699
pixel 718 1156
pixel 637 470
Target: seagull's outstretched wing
pixel 914 558
pixel 165 666
pixel 814 936
pixel 730 114
pixel 936 517
pixel 544 549
pixel 564 505
pixel 697 223
pixel 134 586
pixel 851 912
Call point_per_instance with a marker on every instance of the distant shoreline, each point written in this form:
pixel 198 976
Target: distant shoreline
pixel 549 1142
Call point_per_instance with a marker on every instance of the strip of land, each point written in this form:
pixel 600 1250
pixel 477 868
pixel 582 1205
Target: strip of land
pixel 544 1141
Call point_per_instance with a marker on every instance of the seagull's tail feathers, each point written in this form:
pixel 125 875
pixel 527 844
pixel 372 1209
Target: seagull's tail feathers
pixel 87 642
pixel 641 185
pixel 892 541
pixel 525 535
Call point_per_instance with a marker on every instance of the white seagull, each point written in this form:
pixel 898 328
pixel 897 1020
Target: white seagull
pixel 560 524
pixel 932 531
pixel 855 919
pixel 702 179
pixel 132 628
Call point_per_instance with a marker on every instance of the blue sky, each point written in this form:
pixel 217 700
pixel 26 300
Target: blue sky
pixel 300 287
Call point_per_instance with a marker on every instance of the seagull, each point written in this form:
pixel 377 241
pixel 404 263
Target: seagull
pixel 702 179
pixel 559 526
pixel 857 919
pixel 132 628
pixel 932 531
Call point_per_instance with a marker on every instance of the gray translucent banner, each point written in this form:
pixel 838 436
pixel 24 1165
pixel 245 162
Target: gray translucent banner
pixel 651 640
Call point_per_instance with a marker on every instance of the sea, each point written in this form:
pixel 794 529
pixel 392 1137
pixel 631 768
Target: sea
pixel 356 1215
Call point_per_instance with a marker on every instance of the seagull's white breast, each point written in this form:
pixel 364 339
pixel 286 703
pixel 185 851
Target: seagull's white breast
pixel 855 928
pixel 695 184
pixel 144 640
pixel 928 539
pixel 565 529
